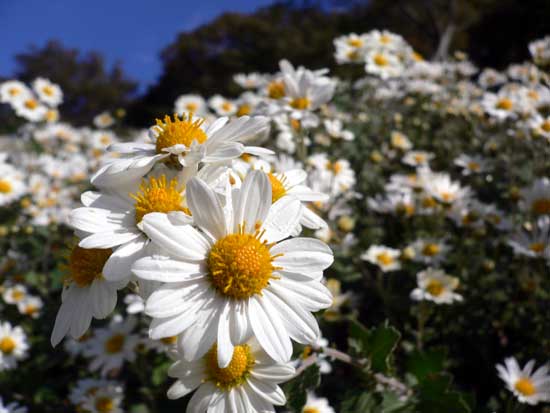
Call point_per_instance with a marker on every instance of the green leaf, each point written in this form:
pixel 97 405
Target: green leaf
pixel 377 345
pixel 424 364
pixel 392 404
pixel 435 396
pixel 296 389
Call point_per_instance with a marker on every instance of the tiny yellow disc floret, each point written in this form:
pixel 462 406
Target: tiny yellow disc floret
pixel 240 265
pixel 235 373
pixel 525 387
pixel 7 345
pixel 278 189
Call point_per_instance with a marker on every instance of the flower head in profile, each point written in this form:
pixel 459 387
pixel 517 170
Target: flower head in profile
pixel 182 143
pixel 384 257
pixel 530 387
pixel 235 274
pixel 249 383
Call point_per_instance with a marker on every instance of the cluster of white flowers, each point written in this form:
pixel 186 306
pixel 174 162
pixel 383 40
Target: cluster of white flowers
pixel 35 104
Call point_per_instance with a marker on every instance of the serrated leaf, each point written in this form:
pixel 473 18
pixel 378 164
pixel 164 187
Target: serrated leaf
pixel 377 344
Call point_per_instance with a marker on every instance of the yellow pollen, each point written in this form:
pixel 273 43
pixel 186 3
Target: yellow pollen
pixel 48 90
pixel 7 345
pixel 244 110
pixel 335 167
pixel 430 250
pixel 541 206
pixel 533 94
pixel 380 60
pixel 417 57
pixel 385 39
pixel 246 157
pixel 277 187
pixel 158 195
pixel 86 265
pixel 428 202
pixel 104 405
pixel 240 265
pixel 447 196
pixel 276 90
pixel 384 258
pixel 545 126
pixel 306 353
pixel 405 209
pixel 295 124
pixel 505 104
pixel 300 103
pixel 435 288
pixel 31 104
pixel 30 309
pixel 419 158
pixel 235 373
pixel 191 107
pixel 105 139
pixel 227 106
pixel 525 386
pixel 352 55
pixel 310 410
pixel 115 343
pixel 355 42
pixel 169 340
pixel 179 131
pixel 537 247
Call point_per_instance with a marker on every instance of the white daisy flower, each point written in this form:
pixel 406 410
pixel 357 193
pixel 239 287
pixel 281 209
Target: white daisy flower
pixel 430 251
pixel 471 164
pixel 110 347
pixel 222 106
pixel 400 141
pixel 250 80
pixel 434 285
pixel 384 257
pixel 13 346
pixel 30 306
pixel 30 108
pixel 502 106
pixel 86 387
pixel 535 243
pixel 235 277
pixel 13 90
pixel 14 294
pixel 384 64
pixel 417 158
pixel 529 387
pixel 47 92
pixel 86 293
pixel 190 104
pixel 440 187
pixel 536 198
pixel 105 399
pixel 104 120
pixel 182 142
pixel 249 382
pixel 540 126
pixel 11 407
pixel 316 404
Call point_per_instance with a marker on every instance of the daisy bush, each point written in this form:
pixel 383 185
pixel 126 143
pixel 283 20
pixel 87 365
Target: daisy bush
pixel 314 245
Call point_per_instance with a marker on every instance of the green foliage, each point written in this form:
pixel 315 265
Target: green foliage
pixel 296 389
pixel 376 344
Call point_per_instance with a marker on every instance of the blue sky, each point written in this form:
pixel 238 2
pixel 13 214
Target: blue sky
pixel 130 31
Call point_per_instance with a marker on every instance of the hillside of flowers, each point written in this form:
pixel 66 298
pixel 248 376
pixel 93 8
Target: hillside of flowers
pixel 316 245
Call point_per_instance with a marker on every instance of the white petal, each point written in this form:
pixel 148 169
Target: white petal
pixel 253 202
pixel 201 399
pixel 164 269
pixel 225 346
pixel 119 264
pixel 283 217
pixel 267 390
pixel 206 208
pixel 302 255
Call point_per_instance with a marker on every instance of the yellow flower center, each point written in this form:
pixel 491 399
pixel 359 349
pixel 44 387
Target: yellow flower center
pixel 384 258
pixel 86 265
pixel 430 250
pixel 227 106
pixel 235 373
pixel 276 90
pixel 18 295
pixel 537 247
pixel 335 167
pixel 533 94
pixel 355 42
pixel 7 345
pixel 385 39
pixel 169 340
pixel 14 91
pixel 447 196
pixel 474 166
pixel 541 206
pixel 30 309
pixel 525 386
pixel 428 202
pixel 31 104
pixel 300 103
pixel 419 158
pixel 5 186
pixel 310 410
pixel 352 55
pixel 240 265
pixel 295 124
pixel 244 110
pixel 48 90
pixel 380 60
pixel 104 405
pixel 545 126
pixel 277 187
pixel 115 343
pixel 435 288
pixel 306 352
pixel 505 104
pixel 157 195
pixel 105 139
pixel 191 107
pixel 417 57
pixel 179 131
